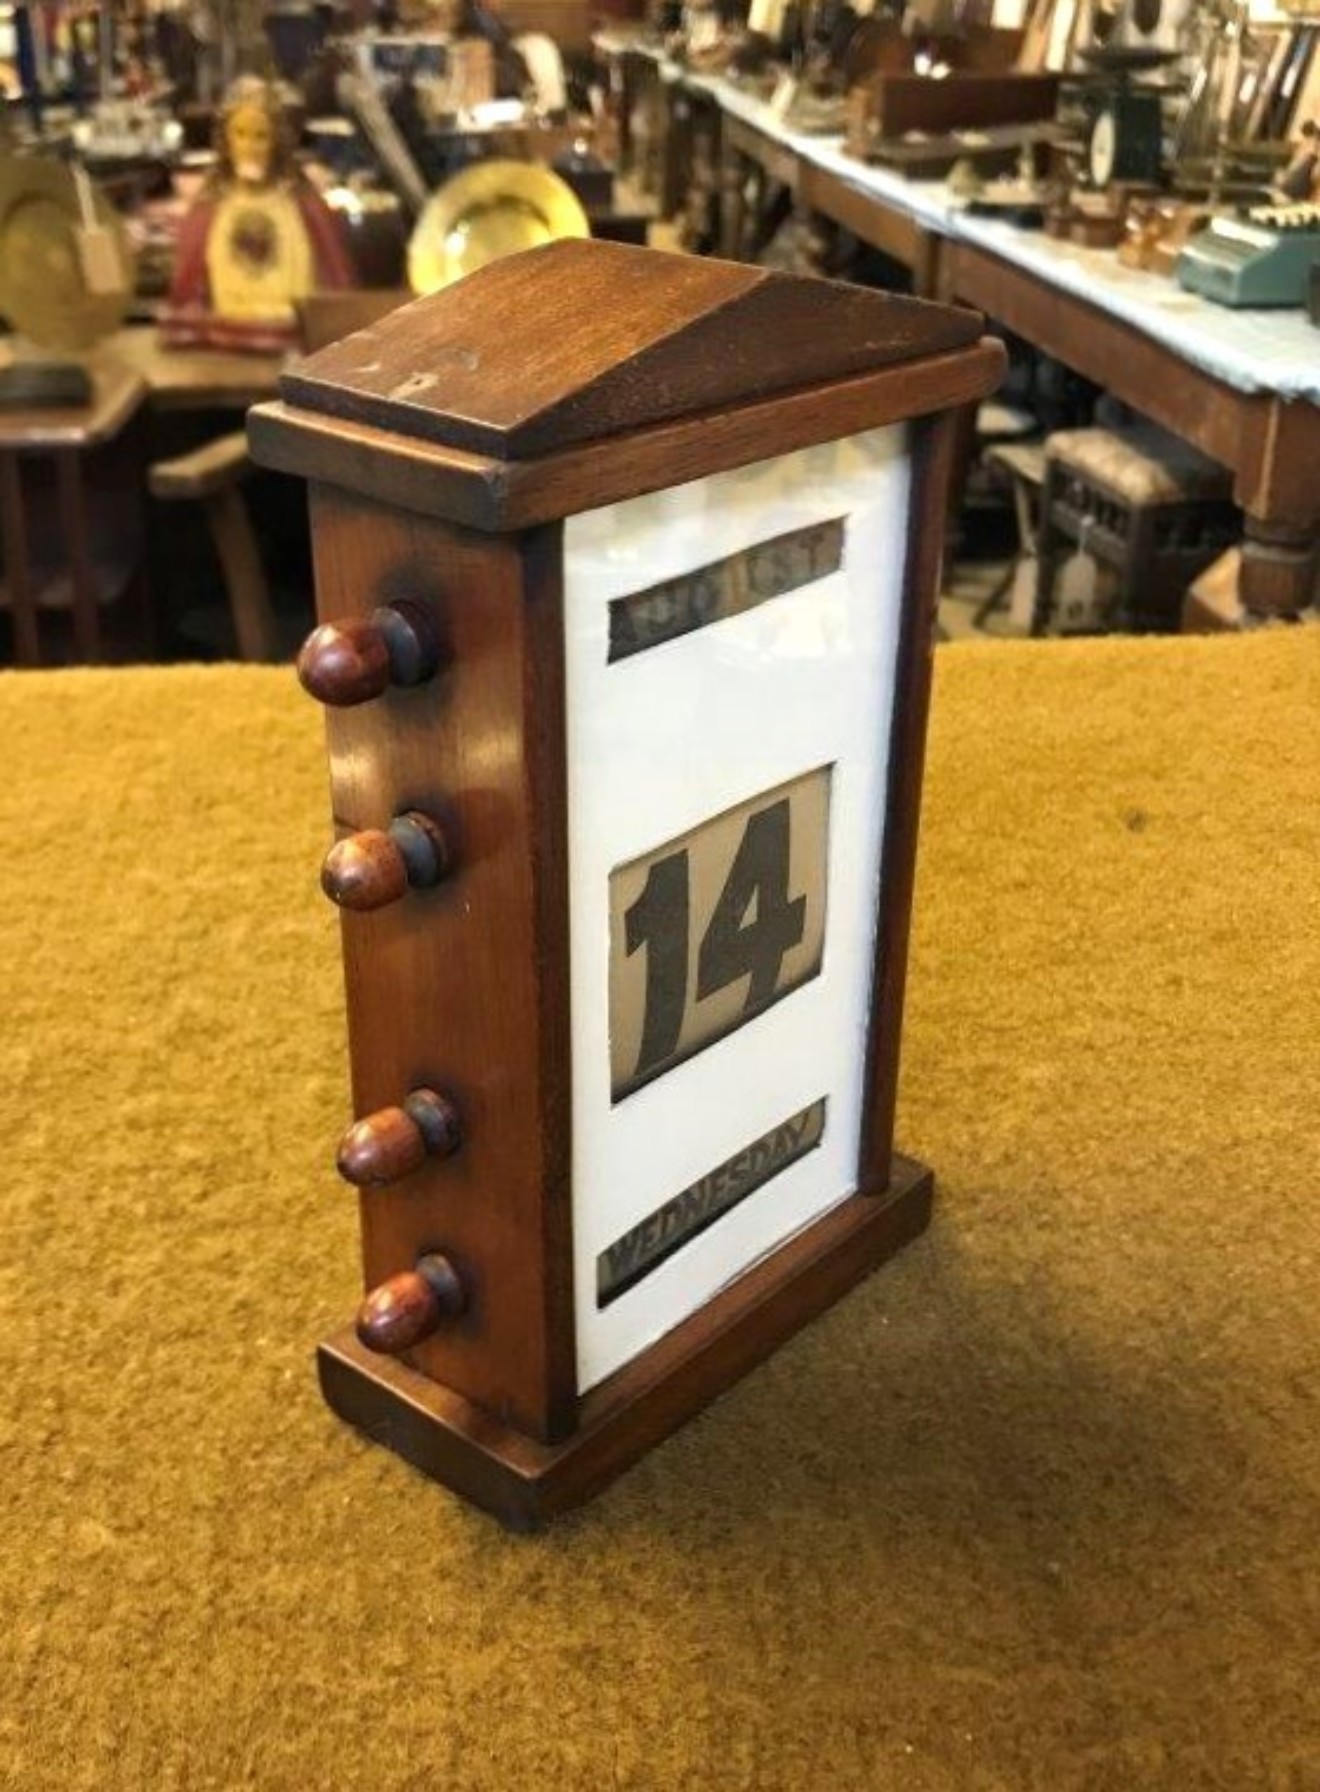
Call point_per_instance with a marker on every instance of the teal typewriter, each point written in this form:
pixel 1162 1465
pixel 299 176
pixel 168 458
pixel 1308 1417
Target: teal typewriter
pixel 1263 256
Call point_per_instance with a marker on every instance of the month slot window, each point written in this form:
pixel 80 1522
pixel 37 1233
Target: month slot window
pixel 728 587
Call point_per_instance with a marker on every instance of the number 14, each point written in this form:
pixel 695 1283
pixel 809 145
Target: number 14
pixel 754 924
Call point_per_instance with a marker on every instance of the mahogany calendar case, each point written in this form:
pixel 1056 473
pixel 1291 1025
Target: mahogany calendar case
pixel 626 566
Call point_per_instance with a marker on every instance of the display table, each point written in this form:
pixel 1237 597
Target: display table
pixel 1243 386
pixel 1251 352
pixel 1000 1519
pixel 189 379
pixel 73 491
pixel 904 218
pixel 70 512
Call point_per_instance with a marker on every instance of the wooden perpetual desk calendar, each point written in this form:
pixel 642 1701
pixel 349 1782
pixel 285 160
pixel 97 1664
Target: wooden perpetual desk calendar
pixel 627 564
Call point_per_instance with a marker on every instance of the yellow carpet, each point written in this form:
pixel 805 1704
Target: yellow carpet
pixel 1037 1507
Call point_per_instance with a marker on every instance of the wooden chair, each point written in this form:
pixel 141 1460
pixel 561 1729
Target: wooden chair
pixel 212 476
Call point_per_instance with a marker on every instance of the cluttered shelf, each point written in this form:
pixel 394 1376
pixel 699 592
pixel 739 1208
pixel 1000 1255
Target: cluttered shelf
pixel 1242 385
pixel 1254 351
pixel 1274 351
pixel 183 210
pixel 191 210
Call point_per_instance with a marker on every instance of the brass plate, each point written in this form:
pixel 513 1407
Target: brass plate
pixel 488 211
pixel 714 927
pixel 43 292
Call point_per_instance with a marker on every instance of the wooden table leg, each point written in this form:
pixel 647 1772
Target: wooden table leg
pixel 245 578
pixel 73 518
pixel 18 571
pixel 928 279
pixel 1278 577
pixel 619 89
pixel 733 202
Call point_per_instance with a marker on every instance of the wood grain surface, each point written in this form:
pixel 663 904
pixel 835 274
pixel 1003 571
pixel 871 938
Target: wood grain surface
pixel 583 340
pixel 463 987
pixel 523 1482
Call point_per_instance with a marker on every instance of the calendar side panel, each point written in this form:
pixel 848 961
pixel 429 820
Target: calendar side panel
pixel 463 988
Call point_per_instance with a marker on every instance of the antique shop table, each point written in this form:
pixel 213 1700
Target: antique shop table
pixel 73 486
pixel 1032 1508
pixel 906 219
pixel 1244 387
pixel 189 379
pixel 70 512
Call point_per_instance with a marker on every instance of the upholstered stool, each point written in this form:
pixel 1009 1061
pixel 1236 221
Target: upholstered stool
pixel 1150 511
pixel 999 422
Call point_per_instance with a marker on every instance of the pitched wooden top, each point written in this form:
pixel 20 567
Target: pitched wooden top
pixel 485 492
pixel 580 341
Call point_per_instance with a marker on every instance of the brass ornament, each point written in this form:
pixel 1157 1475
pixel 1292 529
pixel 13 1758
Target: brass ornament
pixel 488 211
pixel 44 289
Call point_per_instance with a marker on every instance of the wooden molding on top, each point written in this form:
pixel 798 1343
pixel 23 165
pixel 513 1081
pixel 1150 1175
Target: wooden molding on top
pixel 484 493
pixel 581 341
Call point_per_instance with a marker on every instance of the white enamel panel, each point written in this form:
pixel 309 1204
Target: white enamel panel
pixel 659 742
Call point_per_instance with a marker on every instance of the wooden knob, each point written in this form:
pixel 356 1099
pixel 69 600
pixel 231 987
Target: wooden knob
pixel 376 867
pixel 410 1306
pixel 393 1142
pixel 343 663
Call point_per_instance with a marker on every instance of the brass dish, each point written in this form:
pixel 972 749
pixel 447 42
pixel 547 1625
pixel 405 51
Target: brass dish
pixel 490 210
pixel 43 288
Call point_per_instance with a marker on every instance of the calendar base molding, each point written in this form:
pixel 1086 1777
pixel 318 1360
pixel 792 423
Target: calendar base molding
pixel 524 1482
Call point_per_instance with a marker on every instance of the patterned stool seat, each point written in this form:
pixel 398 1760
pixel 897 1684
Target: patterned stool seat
pixel 1145 465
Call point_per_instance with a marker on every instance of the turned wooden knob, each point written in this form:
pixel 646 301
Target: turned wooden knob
pixel 410 1306
pixel 377 866
pixel 393 1142
pixel 343 663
